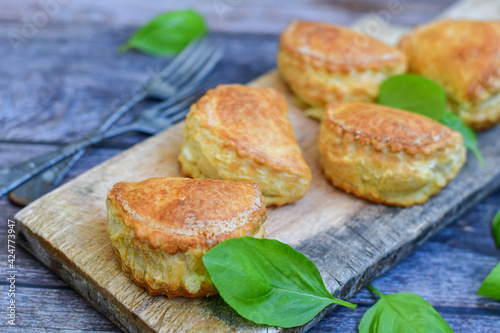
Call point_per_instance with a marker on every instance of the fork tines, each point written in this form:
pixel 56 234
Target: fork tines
pixel 187 69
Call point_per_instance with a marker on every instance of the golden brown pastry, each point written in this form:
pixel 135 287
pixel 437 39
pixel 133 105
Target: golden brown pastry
pixel 240 133
pixel 464 57
pixel 324 63
pixel 387 155
pixel 160 229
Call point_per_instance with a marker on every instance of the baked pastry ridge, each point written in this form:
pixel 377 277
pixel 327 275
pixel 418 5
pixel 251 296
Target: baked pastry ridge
pixel 464 58
pixel 160 228
pixel 387 155
pixel 241 133
pixel 324 63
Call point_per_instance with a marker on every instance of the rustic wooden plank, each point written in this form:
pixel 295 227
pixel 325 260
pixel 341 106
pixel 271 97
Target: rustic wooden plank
pixel 81 82
pixel 257 16
pixel 476 241
pixel 34 273
pixel 35 312
pixel 37 304
pixel 449 293
pixel 85 78
pixel 83 88
pixel 446 271
pixel 424 277
pixel 337 241
pixel 12 153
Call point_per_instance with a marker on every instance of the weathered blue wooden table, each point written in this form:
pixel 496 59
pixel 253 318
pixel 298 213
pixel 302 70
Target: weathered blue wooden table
pixel 60 76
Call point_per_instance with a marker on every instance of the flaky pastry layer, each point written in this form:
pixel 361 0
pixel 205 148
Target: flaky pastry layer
pixel 161 273
pixel 479 116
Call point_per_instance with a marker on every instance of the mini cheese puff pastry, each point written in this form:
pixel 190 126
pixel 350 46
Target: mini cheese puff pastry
pixel 464 57
pixel 240 133
pixel 324 63
pixel 387 155
pixel 160 229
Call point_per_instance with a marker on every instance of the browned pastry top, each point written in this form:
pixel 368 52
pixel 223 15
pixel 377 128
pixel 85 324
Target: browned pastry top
pixel 388 128
pixel 337 48
pixel 253 121
pixel 175 214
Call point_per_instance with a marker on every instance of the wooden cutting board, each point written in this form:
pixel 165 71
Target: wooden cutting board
pixel 351 240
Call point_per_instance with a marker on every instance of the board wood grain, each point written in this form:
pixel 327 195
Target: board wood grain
pixel 350 240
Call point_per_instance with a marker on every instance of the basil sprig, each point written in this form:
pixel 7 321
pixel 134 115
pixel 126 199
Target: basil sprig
pixel 168 33
pixel 491 285
pixel 402 312
pixel 421 95
pixel 413 93
pixel 268 282
pixel 496 228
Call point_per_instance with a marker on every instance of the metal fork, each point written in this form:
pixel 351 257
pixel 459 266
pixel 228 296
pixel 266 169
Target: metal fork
pixel 186 70
pixel 149 121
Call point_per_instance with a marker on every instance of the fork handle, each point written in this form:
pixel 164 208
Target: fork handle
pixel 13 176
pixel 45 181
pixel 50 178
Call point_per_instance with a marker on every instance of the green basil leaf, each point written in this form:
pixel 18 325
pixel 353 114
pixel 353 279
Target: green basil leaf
pixel 402 312
pixel 491 285
pixel 168 33
pixel 413 93
pixel 421 95
pixel 268 282
pixel 496 228
pixel 470 141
